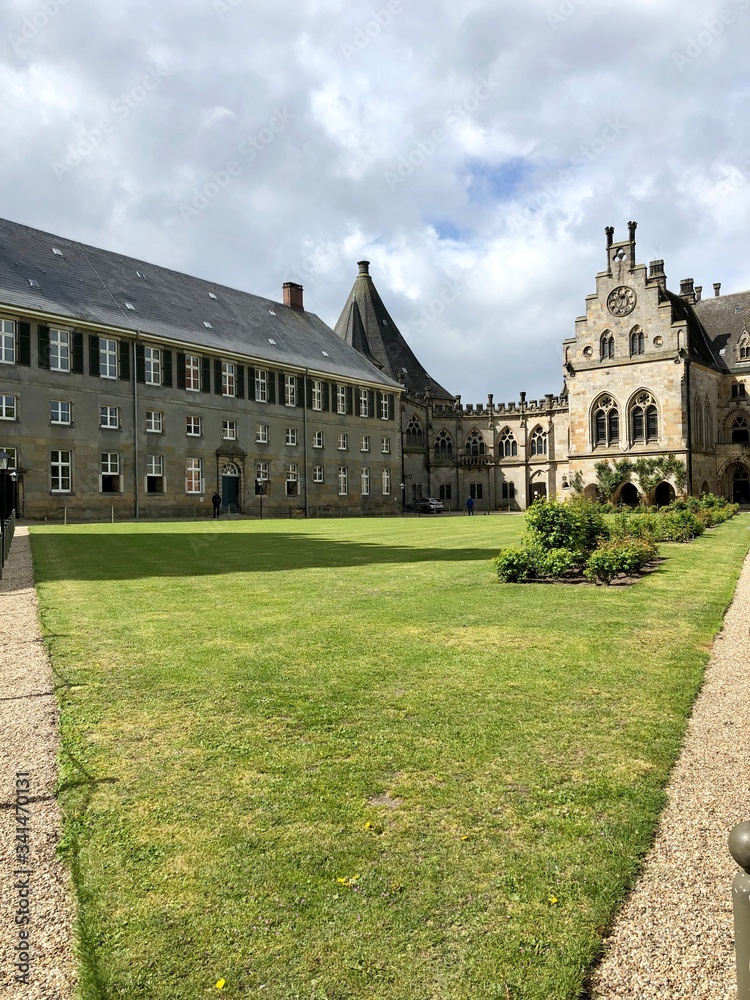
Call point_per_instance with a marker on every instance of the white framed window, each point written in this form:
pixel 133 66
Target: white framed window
pixel 107 358
pixel 343 481
pixel 262 472
pixel 317 473
pixel 364 444
pixel 228 379
pixel 290 390
pixel 261 385
pixel 109 416
pixel 385 446
pixel 340 399
pixel 386 479
pixel 7 342
pixel 364 403
pixel 193 475
pixel 194 426
pixel 154 474
pixel 60 472
pixel 343 442
pixel 229 430
pixel 59 411
pixel 385 407
pixel 318 439
pixel 192 373
pixel 261 433
pixel 109 472
pixel 317 394
pixel 59 350
pixel 152 365
pixel 291 436
pixel 292 480
pixel 365 481
pixel 154 422
pixel 12 456
pixel 8 408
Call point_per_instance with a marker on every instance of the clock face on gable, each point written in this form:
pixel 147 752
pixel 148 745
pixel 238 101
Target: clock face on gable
pixel 621 301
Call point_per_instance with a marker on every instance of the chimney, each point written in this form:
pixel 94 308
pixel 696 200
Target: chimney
pixel 293 296
pixel 717 288
pixel 364 266
pixel 686 290
pixel 656 273
pixel 631 235
pixel 610 232
pixel 698 292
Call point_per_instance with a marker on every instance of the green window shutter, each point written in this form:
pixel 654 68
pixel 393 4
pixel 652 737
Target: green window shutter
pixel 166 369
pixel 24 343
pixel 271 383
pixel 349 399
pixel 43 346
pixel 93 354
pixel 371 402
pixel 77 368
pixel 300 391
pixel 180 370
pixel 140 363
pixel 240 382
pixel 250 382
pixel 326 397
pixel 391 407
pixel 282 391
pixel 309 387
pixel 217 377
pixel 205 375
pixel 125 360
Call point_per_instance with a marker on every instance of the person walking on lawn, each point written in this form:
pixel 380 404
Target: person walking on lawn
pixel 470 505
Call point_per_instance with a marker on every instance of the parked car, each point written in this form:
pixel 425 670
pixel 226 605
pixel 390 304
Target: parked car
pixel 428 505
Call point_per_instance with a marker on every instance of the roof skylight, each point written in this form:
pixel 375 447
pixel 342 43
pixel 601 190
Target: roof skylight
pixel 271 341
pixel 140 274
pixel 57 252
pixel 207 324
pixel 272 312
pixel 34 283
pixel 211 295
pixel 325 354
pixel 129 305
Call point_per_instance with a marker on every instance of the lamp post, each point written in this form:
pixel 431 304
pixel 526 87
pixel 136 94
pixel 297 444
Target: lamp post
pixel 4 458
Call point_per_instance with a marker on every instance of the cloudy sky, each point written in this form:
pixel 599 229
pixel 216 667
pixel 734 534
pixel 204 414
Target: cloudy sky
pixel 473 152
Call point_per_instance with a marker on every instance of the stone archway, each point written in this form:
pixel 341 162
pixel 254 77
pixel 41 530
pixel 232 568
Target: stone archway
pixel 663 494
pixel 740 485
pixel 629 495
pixel 591 492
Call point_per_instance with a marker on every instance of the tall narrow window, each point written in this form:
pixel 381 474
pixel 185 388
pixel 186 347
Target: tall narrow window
pixel 59 350
pixel 606 422
pixel 386 480
pixel 644 419
pixel 607 346
pixel 60 472
pixel 154 474
pixel 343 480
pixel 108 351
pixel 292 480
pixel 317 394
pixel 508 444
pixel 152 365
pixel 365 481
pixel 475 444
pixel 290 390
pixel 443 445
pixel 193 475
pixel 228 377
pixel 637 341
pixel 110 472
pixel 261 385
pixel 340 399
pixel 192 373
pixel 740 431
pixel 7 342
pixel 364 403
pixel 538 442
pixel 414 433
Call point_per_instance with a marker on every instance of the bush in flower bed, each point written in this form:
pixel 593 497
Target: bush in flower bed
pixel 619 557
pixel 710 509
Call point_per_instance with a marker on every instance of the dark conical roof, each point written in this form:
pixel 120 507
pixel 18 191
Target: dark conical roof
pixel 366 325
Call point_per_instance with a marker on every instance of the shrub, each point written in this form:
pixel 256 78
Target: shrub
pixel 678 526
pixel 517 563
pixel 576 524
pixel 558 562
pixel 619 556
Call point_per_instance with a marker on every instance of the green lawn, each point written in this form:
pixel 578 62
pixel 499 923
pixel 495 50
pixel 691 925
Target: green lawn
pixel 329 760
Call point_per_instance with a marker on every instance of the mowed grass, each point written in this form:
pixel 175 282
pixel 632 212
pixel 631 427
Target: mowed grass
pixel 329 760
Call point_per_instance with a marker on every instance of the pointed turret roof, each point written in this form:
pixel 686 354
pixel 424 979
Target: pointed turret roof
pixel 366 325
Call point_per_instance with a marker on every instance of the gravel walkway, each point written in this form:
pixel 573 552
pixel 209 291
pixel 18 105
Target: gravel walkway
pixel 672 940
pixel 28 744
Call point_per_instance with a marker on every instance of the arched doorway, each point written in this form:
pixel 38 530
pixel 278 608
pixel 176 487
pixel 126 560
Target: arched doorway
pixel 629 495
pixel 663 494
pixel 705 488
pixel 538 491
pixel 740 485
pixel 230 488
pixel 591 492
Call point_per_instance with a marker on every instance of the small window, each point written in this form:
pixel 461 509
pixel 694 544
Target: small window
pixel 385 446
pixel 193 425
pixel 193 475
pixel 130 306
pixel 343 481
pixel 107 358
pixel 291 437
pixel 318 439
pixel 34 283
pixel 261 478
pixel 325 354
pixel 207 325
pixel 261 385
pixel 109 417
pixel 365 443
pixel 229 430
pixel 444 491
pixel 292 480
pixel 59 350
pixel 364 403
pixel 192 373
pixel 59 412
pixel 414 432
pixel 140 274
pixel 8 408
pixel 228 384
pixel 154 474
pixel 154 422
pixel 60 472
pixel 317 394
pixel 290 390
pixel 7 342
pixel 443 445
pixel 386 482
pixel 343 442
pixel 317 473
pixel 340 399
pixel 57 252
pixel 365 481
pixel 152 365
pixel 261 433
pixel 110 473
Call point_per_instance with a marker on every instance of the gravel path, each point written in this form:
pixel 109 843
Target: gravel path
pixel 672 940
pixel 28 744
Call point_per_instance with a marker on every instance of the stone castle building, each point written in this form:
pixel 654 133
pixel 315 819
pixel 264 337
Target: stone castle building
pixel 130 390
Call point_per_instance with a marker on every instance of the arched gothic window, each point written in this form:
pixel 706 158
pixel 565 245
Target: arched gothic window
pixel 606 422
pixel 475 443
pixel 644 419
pixel 708 424
pixel 637 341
pixel 538 441
pixel 414 433
pixel 508 444
pixel 443 445
pixel 607 345
pixel 744 346
pixel 698 428
pixel 740 431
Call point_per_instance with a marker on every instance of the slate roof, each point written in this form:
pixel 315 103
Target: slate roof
pixel 88 284
pixel 366 325
pixel 699 345
pixel 725 318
